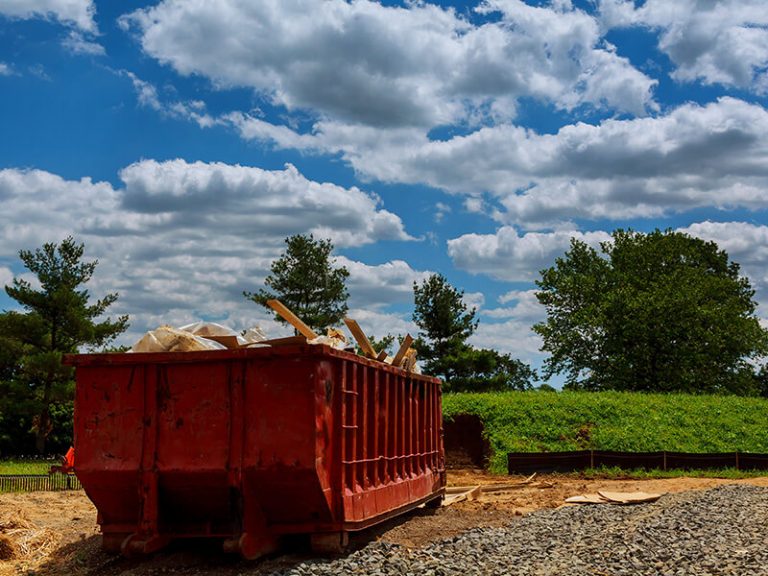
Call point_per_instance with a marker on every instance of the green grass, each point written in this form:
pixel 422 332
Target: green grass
pixel 546 421
pixel 25 466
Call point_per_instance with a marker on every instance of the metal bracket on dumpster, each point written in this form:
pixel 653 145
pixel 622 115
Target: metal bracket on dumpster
pixel 251 546
pixel 136 544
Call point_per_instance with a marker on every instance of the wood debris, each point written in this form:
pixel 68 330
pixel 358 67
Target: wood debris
pixel 403 350
pixel 361 338
pixel 292 319
pixel 603 497
pixel 477 491
pixel 405 357
pixel 471 493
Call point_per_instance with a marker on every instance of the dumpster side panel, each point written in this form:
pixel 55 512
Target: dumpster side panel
pixel 194 417
pixel 108 435
pixel 281 471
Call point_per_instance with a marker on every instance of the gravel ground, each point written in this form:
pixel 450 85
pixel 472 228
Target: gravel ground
pixel 722 531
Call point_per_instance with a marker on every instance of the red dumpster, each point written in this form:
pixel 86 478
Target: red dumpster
pixel 248 445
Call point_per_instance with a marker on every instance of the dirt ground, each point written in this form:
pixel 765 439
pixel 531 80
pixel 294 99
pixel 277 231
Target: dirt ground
pixel 44 533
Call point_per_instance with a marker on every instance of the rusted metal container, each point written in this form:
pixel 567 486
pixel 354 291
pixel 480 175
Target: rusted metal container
pixel 252 444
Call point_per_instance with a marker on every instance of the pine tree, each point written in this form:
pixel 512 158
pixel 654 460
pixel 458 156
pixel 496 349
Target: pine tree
pixel 57 318
pixel 307 281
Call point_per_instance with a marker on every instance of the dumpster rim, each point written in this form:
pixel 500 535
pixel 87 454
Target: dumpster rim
pixel 291 351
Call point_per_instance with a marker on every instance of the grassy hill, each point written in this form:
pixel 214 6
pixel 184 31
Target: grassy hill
pixel 548 421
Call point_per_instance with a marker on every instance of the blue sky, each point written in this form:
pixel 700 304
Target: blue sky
pixel 183 141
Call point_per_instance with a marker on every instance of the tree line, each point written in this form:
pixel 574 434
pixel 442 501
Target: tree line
pixel 656 312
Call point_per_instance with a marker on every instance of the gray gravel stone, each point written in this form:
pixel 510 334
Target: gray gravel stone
pixel 720 532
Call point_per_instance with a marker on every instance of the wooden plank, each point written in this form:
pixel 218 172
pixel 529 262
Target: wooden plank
pixel 292 319
pixel 382 356
pixel 362 339
pixel 629 497
pixel 410 360
pixel 457 489
pixel 287 341
pixel 407 341
pixel 472 493
pixel 453 499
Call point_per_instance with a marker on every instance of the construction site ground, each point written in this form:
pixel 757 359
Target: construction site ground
pixel 56 533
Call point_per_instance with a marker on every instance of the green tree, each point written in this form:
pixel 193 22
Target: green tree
pixel 761 382
pixel 650 312
pixel 306 280
pixel 445 323
pixel 489 370
pixel 57 318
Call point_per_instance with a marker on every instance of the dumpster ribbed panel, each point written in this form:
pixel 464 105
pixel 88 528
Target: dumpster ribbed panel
pixel 391 437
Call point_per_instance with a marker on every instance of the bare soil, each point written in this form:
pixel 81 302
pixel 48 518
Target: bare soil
pixel 45 533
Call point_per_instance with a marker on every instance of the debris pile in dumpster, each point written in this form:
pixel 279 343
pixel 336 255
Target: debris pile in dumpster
pixel 212 336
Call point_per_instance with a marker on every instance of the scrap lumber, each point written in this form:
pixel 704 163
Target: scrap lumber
pixel 472 493
pixel 403 350
pixel 292 319
pixel 629 497
pixel 410 360
pixel 458 489
pixel 362 339
pixel 603 497
pixel 287 341
pixel 490 488
pixel 530 478
pixel 586 499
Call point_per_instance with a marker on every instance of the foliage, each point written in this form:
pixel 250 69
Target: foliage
pixel 624 421
pixel 652 312
pixel 58 318
pixel 445 324
pixel 305 279
pixel 487 370
pixel 546 388
pixel 761 381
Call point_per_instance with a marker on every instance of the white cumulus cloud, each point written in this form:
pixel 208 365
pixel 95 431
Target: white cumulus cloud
pixel 746 244
pixel 376 286
pixel 181 241
pixel 6 276
pixel 363 63
pixel 506 255
pixel 714 41
pixel 77 43
pixel 713 155
pixel 76 12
